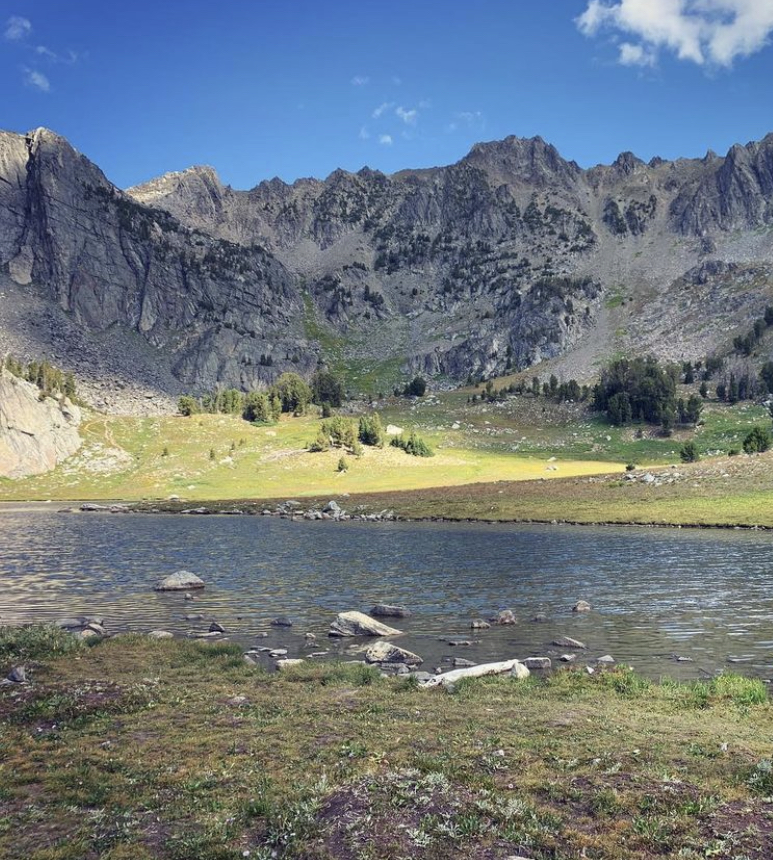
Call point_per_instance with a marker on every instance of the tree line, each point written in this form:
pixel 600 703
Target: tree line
pixel 49 379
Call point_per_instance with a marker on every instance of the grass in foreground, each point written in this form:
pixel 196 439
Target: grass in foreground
pixel 140 749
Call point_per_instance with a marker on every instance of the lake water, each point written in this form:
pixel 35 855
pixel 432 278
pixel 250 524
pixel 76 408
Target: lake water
pixel 656 593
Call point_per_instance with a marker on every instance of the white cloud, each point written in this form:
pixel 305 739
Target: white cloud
pixel 382 108
pixel 706 32
pixel 17 28
pixel 364 134
pixel 36 79
pixel 636 55
pixel 385 139
pixel 409 117
pixel 360 81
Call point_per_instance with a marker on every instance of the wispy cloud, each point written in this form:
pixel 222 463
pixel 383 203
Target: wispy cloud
pixel 385 139
pixel 396 80
pixel 364 134
pixel 706 32
pixel 17 28
pixel 636 55
pixel 360 81
pixel 467 119
pixel 381 109
pixel 37 80
pixel 409 117
pixel 68 57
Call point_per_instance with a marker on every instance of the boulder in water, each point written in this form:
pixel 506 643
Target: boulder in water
pixel 360 624
pixel 182 580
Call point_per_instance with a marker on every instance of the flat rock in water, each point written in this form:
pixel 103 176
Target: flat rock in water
pixel 505 616
pixel 282 621
pixel 479 624
pixel 389 610
pixel 606 660
pixel 160 634
pixel 458 643
pixel 214 627
pixel 386 652
pixel 461 663
pixel 568 658
pixel 568 642
pixel 360 624
pixel 183 580
pixel 540 618
pixel 278 652
pixel 581 606
pixel 537 663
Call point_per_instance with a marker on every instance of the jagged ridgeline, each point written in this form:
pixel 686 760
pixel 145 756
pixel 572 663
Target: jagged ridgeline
pixel 511 256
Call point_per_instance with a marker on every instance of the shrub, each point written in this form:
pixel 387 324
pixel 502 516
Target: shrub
pixel 413 445
pixel 188 405
pixel 326 387
pixel 417 387
pixel 257 408
pixel 689 453
pixel 756 441
pixel 36 641
pixel 342 465
pixel 630 467
pixel 370 430
pixel 292 392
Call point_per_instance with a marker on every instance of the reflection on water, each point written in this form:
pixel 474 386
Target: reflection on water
pixel 655 593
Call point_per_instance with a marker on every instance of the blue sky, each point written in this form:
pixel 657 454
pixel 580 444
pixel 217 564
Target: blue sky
pixel 291 88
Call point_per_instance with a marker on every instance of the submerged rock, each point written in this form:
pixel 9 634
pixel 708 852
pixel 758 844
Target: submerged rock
pixel 389 610
pixel 182 580
pixel 281 621
pixel 360 624
pixel 568 642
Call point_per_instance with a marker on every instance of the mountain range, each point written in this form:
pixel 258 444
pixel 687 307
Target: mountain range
pixel 511 257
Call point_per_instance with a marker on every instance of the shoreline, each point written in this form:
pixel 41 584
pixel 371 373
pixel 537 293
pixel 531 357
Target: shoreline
pixel 217 508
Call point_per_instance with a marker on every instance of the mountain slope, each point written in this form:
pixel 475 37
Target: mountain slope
pixel 511 256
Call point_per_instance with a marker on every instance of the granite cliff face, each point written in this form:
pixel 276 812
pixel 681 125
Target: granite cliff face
pixel 35 433
pixel 509 257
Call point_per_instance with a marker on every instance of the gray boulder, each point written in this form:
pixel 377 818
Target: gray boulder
pixel 537 663
pixel 386 652
pixel 182 580
pixel 360 624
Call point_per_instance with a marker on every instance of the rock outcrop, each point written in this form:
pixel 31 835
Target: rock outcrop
pixel 36 432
